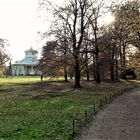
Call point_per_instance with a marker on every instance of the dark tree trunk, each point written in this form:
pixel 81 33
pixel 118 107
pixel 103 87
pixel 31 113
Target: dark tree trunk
pixel 124 56
pixel 116 72
pixel 71 73
pixel 98 79
pixel 116 56
pixel 77 73
pixel 94 73
pixel 112 65
pixel 65 74
pixel 71 77
pixel 112 73
pixel 121 55
pixel 87 73
pixel 87 68
pixel 97 64
pixel 10 68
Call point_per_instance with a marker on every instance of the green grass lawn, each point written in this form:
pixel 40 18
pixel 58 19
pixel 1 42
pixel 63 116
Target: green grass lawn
pixel 33 111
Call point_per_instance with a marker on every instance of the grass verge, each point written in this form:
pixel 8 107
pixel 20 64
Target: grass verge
pixel 49 115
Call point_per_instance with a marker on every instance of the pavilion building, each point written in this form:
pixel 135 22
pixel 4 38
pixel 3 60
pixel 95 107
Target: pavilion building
pixel 28 65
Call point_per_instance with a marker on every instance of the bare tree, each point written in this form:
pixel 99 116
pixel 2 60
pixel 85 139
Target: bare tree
pixel 76 15
pixel 96 10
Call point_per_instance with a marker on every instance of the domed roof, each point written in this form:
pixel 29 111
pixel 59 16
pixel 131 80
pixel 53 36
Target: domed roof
pixel 31 50
pixel 30 58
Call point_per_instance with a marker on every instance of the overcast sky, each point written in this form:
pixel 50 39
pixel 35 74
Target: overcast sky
pixel 19 23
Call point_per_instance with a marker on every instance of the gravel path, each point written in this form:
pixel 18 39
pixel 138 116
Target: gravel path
pixel 119 120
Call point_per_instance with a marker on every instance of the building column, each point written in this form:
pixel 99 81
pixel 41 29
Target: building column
pixel 32 70
pixel 26 72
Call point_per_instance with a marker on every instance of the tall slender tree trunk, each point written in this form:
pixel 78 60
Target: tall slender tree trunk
pixel 87 72
pixel 87 68
pixel 76 53
pixel 97 70
pixel 121 59
pixel 94 73
pixel 116 56
pixel 97 64
pixel 112 73
pixel 65 74
pixel 112 64
pixel 116 71
pixel 124 55
pixel 77 73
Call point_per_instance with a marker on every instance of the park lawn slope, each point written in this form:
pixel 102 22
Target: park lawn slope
pixel 47 114
pixel 42 118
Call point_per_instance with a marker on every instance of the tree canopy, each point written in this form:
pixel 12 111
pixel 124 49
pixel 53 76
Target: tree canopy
pixel 4 57
pixel 89 48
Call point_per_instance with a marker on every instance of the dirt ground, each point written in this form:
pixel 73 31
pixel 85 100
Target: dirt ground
pixel 119 120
